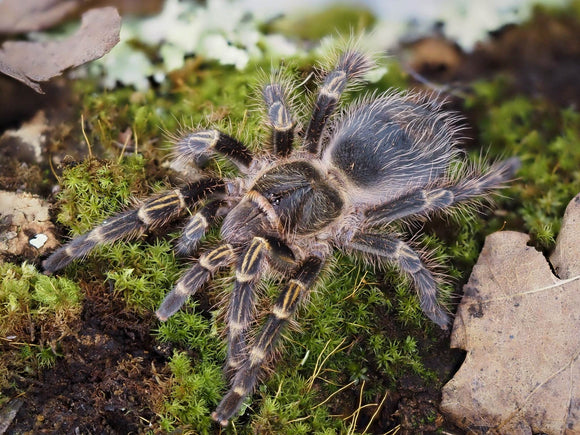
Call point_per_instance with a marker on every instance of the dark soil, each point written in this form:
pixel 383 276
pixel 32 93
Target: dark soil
pixel 106 380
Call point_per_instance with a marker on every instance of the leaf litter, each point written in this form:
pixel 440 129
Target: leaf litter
pixel 19 16
pixel 519 322
pixel 34 62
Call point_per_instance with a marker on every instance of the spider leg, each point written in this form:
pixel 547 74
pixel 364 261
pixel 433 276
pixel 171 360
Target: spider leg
pixel 417 202
pixel 246 377
pixel 248 272
pixel 352 65
pixel 425 201
pixel 194 278
pixel 154 212
pixel 394 250
pixel 280 118
pixel 201 144
pixel 197 226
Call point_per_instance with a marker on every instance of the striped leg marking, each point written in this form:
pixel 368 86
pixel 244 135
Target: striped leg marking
pixel 398 252
pixel 247 376
pixel 196 228
pixel 241 311
pixel 201 144
pixel 419 202
pixel 352 65
pixel 154 212
pixel 428 201
pixel 194 278
pixel 280 118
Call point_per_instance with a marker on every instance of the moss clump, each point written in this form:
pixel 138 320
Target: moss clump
pixel 142 273
pixel 200 93
pixel 93 190
pixel 195 388
pixel 36 312
pixel 546 139
pixel 396 357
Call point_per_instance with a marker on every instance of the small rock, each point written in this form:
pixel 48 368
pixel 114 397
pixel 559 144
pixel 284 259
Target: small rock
pixel 25 226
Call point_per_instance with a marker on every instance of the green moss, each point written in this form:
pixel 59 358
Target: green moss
pixel 546 139
pixel 142 273
pixel 396 357
pixel 200 90
pixel 338 19
pixel 36 311
pixel 93 190
pixel 194 391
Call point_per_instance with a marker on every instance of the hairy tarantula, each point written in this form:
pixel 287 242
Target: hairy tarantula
pixel 386 157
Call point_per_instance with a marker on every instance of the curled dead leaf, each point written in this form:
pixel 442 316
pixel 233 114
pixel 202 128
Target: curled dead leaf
pixel 33 62
pixel 18 16
pixel 519 324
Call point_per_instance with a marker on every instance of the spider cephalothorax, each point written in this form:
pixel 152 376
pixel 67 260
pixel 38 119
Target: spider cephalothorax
pixel 387 157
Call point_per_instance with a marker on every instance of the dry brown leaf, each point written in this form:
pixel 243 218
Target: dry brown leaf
pixel 519 324
pixel 19 16
pixel 32 62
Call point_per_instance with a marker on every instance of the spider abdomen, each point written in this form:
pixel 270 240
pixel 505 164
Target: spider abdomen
pixel 392 144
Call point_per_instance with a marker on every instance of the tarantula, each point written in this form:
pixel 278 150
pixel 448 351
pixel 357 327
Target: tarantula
pixel 386 157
